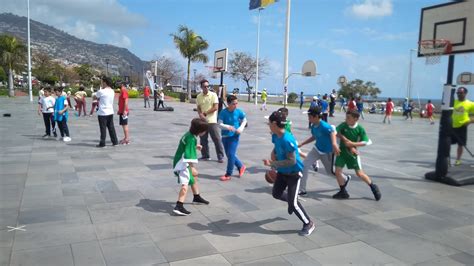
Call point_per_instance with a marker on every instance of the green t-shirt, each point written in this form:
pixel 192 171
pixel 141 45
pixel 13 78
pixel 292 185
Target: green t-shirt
pixel 186 152
pixel 288 126
pixel 354 134
pixel 264 96
pixel 461 112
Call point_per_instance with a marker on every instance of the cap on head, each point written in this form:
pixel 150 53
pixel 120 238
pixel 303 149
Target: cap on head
pixel 315 97
pixel 314 111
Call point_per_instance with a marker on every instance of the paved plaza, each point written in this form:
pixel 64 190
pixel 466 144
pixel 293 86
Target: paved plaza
pixel 81 205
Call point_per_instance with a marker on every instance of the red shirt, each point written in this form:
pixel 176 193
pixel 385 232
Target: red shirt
pixel 389 108
pixel 352 105
pixel 146 92
pixel 121 102
pixel 429 108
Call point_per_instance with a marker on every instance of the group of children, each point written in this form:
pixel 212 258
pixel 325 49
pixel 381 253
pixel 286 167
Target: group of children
pixel 54 111
pixel 285 158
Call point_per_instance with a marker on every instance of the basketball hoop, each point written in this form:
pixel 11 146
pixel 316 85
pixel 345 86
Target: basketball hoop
pixel 434 49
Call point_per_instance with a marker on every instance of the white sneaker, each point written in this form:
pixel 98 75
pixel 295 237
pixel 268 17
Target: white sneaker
pixel 66 139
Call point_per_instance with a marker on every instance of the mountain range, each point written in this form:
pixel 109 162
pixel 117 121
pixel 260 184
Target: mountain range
pixel 68 49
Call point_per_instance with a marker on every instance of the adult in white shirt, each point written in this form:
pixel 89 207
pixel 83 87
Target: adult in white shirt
pixel 105 113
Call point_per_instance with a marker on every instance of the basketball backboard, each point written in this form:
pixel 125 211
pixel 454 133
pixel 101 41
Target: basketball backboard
pixel 465 78
pixel 342 81
pixel 309 69
pixel 220 60
pixel 453 22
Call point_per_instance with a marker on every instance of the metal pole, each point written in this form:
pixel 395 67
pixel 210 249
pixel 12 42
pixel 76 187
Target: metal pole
pixel 30 89
pixel 287 46
pixel 258 51
pixel 409 77
pixel 444 139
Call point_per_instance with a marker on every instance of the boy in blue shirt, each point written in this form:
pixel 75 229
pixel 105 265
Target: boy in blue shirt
pixel 232 121
pixel 61 113
pixel 286 160
pixel 325 136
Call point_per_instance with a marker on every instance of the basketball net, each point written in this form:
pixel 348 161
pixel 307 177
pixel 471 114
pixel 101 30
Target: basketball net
pixel 434 49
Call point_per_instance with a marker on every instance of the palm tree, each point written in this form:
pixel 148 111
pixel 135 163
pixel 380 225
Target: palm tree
pixel 12 58
pixel 190 45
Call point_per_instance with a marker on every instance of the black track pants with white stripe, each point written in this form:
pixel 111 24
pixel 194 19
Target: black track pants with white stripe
pixel 292 181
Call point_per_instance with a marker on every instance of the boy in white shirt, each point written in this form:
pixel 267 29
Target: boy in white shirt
pixel 46 107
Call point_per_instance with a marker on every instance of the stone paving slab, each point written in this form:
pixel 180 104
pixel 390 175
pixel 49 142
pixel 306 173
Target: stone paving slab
pixel 87 206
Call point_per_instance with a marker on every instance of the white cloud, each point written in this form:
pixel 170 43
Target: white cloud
pixel 373 68
pixel 121 41
pixel 82 30
pixel 371 9
pixel 346 53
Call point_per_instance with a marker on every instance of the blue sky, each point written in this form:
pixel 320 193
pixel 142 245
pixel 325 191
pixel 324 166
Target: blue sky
pixel 365 39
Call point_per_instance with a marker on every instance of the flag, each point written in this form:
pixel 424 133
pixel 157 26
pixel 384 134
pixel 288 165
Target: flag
pixel 260 3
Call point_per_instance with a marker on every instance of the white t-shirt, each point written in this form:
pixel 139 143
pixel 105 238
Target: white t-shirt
pixel 47 104
pixel 106 101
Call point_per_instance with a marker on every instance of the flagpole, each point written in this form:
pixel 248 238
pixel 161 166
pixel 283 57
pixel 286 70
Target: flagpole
pixel 287 44
pixel 30 90
pixel 258 50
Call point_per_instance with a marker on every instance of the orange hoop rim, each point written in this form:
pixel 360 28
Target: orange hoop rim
pixel 444 46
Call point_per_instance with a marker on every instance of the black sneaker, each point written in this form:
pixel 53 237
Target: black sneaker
pixel 302 193
pixel 376 191
pixel 204 159
pixel 198 199
pixel 307 229
pixel 342 194
pixel 347 181
pixel 180 210
pixel 55 134
pixel 99 146
pixel 45 136
pixel 315 167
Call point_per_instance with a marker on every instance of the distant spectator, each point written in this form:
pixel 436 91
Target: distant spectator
pixel 351 105
pixel 360 106
pixel 389 110
pixel 264 99
pixel 332 102
pixel 301 100
pixel 429 107
pixel 146 96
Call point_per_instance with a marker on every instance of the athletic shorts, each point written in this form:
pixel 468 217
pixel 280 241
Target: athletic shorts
pixel 459 135
pixel 123 121
pixel 185 177
pixel 351 161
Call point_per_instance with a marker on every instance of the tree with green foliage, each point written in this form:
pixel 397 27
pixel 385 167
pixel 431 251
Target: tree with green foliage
pixel 3 76
pixel 359 88
pixel 242 66
pixel 191 46
pixel 85 73
pixel 12 58
pixel 43 69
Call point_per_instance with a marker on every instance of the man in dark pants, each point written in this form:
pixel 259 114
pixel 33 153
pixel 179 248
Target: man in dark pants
pixel 207 106
pixel 463 115
pixel 105 113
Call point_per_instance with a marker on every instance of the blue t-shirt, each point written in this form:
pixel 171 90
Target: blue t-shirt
pixel 234 119
pixel 322 134
pixel 324 106
pixel 360 106
pixel 284 145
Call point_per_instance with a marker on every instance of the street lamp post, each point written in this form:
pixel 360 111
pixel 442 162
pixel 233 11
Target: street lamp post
pixel 194 79
pixel 258 51
pixel 107 67
pixel 30 90
pixel 131 73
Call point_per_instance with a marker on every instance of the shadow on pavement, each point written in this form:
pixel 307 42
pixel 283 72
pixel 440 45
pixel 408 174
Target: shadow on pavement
pixel 156 206
pixel 224 228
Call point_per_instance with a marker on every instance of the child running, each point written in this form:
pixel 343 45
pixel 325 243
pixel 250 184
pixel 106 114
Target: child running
pixel 325 146
pixel 232 121
pixel 184 162
pixel 286 160
pixel 388 111
pixel 352 135
pixel 429 111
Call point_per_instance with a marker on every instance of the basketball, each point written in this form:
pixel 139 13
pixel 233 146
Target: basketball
pixel 271 176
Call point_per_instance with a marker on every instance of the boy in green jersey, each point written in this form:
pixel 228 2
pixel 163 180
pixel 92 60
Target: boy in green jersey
pixel 184 162
pixel 352 135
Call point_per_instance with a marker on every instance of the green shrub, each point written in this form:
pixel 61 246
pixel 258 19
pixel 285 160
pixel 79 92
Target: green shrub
pixel 292 97
pixel 133 94
pixel 3 91
pixel 172 94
